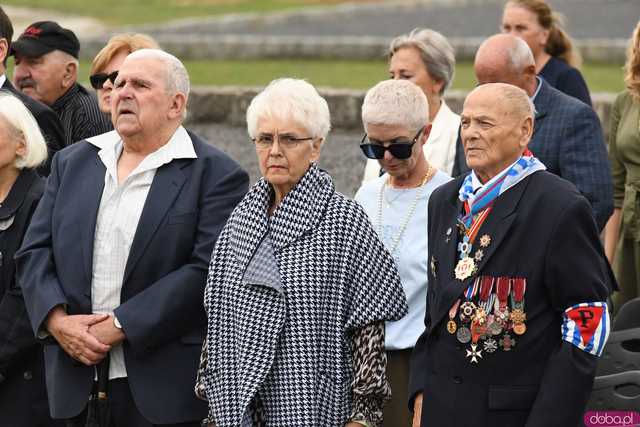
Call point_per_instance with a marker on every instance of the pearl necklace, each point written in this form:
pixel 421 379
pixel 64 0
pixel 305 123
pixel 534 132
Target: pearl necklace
pixel 412 208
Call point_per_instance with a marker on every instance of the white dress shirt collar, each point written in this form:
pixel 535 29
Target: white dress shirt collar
pixel 2 80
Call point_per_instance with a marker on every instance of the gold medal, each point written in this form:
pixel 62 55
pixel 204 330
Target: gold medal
pixel 465 268
pixel 452 327
pixel 518 316
pixel 519 328
pixel 485 240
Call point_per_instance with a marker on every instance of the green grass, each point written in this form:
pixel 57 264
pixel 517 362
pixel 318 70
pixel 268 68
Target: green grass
pixel 345 74
pixel 124 12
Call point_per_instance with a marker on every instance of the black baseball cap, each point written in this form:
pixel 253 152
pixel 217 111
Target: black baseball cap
pixel 43 37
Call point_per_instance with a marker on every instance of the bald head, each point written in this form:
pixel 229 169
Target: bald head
pixel 504 58
pixel 497 124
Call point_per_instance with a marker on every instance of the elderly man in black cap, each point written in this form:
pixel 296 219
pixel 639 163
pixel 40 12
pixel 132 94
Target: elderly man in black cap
pixel 46 69
pixel 47 119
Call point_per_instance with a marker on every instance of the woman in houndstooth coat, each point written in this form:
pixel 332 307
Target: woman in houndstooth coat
pixel 299 286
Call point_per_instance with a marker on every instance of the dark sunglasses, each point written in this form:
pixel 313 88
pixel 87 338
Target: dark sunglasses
pixel 98 80
pixel 399 149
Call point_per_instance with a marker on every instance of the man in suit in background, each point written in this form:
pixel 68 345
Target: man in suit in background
pixel 47 119
pixel 567 135
pixel 115 260
pixel 516 314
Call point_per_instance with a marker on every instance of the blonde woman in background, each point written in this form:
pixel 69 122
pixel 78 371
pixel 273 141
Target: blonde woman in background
pixel 107 62
pixel 556 57
pixel 622 237
pixel 426 58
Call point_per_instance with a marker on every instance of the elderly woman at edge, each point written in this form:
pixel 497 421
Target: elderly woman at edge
pixel 23 395
pixel 299 286
pixel 395 117
pixel 426 58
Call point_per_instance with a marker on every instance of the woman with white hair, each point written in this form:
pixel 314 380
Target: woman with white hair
pixel 426 58
pixel 299 286
pixel 23 398
pixel 395 117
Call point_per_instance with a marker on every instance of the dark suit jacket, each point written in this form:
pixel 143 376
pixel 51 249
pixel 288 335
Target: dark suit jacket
pixel 48 121
pixel 568 139
pixel 566 79
pixel 540 229
pixel 161 309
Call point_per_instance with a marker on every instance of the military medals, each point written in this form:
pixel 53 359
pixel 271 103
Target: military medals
pixel 485 241
pixel 465 268
pixel 518 316
pixel 490 345
pixel 463 334
pixel 474 353
pixel 452 326
pixel 507 342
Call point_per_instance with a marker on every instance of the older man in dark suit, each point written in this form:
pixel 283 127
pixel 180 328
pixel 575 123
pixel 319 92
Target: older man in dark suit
pixel 115 260
pixel 47 119
pixel 567 135
pixel 516 314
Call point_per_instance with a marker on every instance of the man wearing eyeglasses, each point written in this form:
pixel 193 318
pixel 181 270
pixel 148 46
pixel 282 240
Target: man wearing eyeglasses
pixel 47 119
pixel 46 69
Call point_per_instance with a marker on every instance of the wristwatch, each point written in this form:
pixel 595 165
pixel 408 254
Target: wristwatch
pixel 116 323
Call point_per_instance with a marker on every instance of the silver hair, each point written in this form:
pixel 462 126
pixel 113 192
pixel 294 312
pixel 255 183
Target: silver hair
pixel 176 75
pixel 23 126
pixel 291 99
pixel 435 51
pixel 395 103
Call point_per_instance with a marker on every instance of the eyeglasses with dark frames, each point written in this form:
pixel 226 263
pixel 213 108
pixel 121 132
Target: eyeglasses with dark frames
pixel 399 148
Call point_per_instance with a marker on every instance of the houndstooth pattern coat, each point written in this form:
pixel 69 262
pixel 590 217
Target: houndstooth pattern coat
pixel 290 345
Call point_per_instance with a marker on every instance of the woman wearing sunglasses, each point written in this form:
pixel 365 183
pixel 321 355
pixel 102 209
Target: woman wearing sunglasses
pixel 425 58
pixel 395 116
pixel 106 64
pixel 299 286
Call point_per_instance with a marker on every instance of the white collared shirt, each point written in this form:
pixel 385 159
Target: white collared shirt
pixel 3 78
pixel 117 221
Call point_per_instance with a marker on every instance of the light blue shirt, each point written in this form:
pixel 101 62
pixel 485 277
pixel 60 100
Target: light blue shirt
pixel 410 254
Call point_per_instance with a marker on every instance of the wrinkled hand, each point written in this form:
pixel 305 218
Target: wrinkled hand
pixel 417 410
pixel 106 332
pixel 72 333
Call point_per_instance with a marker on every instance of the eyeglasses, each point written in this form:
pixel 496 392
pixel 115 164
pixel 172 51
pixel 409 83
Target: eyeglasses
pixel 286 140
pixel 99 79
pixel 399 148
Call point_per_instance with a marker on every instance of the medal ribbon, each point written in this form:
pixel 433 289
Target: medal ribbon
pixel 503 287
pixel 519 288
pixel 472 223
pixel 472 290
pixel 454 309
pixel 485 288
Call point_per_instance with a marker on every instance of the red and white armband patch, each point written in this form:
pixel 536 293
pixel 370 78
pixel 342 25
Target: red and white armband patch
pixel 587 326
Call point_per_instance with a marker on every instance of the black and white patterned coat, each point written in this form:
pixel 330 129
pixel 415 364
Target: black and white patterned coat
pixel 290 345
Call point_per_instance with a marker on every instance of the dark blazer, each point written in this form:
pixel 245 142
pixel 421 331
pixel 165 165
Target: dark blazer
pixel 48 121
pixel 566 79
pixel 568 139
pixel 161 309
pixel 23 395
pixel 540 229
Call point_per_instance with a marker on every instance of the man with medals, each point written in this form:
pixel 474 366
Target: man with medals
pixel 516 314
